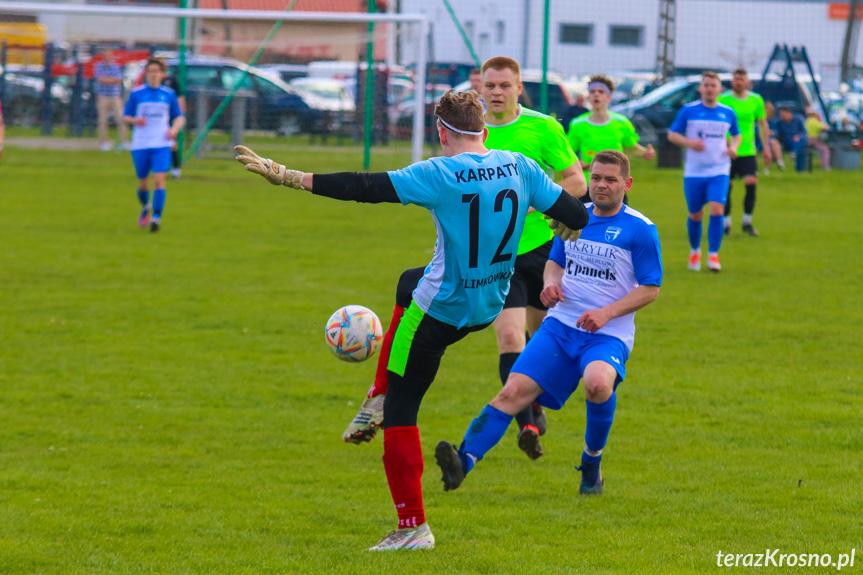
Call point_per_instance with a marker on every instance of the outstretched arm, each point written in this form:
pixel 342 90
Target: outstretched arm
pixel 347 186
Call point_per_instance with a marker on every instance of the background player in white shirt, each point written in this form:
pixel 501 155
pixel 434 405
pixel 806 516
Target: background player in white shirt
pixel 703 127
pixel 156 117
pixel 593 287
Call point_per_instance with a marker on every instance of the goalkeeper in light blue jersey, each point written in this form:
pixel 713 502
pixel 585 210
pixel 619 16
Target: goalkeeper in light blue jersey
pixel 478 199
pixel 593 287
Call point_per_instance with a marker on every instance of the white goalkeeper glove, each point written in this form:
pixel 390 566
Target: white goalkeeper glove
pixel 275 173
pixel 560 230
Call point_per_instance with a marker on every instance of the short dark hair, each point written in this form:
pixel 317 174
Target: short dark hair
pixel 740 72
pixel 709 74
pixel 613 157
pixel 475 71
pixel 462 110
pixel 157 61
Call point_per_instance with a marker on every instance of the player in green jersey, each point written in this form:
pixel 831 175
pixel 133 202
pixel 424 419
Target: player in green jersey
pixel 541 138
pixel 749 108
pixel 600 129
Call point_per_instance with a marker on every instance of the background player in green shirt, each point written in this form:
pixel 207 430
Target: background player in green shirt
pixel 600 129
pixel 749 108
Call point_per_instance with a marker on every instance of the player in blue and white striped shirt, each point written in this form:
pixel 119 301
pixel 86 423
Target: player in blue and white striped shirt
pixel 593 287
pixel 154 112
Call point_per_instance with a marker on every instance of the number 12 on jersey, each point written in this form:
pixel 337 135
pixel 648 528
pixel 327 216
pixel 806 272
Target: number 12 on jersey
pixel 473 203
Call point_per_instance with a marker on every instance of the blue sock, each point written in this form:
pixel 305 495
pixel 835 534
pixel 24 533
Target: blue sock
pixel 715 229
pixel 484 433
pixel 694 229
pixel 599 419
pixel 144 197
pixel 158 202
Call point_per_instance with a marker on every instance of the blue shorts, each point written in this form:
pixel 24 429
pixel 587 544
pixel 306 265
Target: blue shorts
pixel 557 355
pixel 156 160
pixel 699 191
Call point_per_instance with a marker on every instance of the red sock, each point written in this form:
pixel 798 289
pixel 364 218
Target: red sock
pixel 381 382
pixel 403 462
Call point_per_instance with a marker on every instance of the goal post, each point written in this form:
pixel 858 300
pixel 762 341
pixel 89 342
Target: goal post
pixel 418 22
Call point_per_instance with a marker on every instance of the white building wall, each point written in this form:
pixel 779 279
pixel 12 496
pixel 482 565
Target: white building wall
pixel 710 33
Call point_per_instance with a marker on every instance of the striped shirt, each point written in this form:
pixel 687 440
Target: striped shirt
pixel 108 71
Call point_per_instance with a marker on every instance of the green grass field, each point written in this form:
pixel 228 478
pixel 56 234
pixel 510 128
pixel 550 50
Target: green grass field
pixel 167 404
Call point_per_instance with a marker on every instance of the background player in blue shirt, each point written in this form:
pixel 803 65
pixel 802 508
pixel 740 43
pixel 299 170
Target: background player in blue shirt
pixel 703 127
pixel 478 199
pixel 593 287
pixel 155 115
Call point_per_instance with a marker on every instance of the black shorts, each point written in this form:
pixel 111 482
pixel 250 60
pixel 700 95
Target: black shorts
pixel 743 166
pixel 526 283
pixel 418 346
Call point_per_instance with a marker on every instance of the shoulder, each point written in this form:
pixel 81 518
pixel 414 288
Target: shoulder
pixel 581 120
pixel 618 117
pixel 636 216
pixel 167 90
pixel 532 115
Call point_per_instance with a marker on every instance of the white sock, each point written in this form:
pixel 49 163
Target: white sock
pixel 727 221
pixel 747 219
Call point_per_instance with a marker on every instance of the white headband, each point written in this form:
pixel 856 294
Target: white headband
pixel 599 85
pixel 454 129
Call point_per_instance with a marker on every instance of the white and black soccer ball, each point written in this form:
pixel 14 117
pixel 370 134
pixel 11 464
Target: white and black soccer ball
pixel 354 333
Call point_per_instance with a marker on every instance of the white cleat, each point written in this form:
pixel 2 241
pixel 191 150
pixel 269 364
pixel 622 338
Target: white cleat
pixel 417 538
pixel 366 422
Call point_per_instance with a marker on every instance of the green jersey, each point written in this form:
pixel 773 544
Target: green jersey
pixel 587 138
pixel 540 138
pixel 748 111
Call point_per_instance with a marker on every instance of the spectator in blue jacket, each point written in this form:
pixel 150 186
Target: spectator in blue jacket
pixel 791 133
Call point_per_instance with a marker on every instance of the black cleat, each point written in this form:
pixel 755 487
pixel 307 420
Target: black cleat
pixel 748 229
pixel 154 225
pixel 727 230
pixel 447 459
pixel 591 478
pixel 539 418
pixel 528 441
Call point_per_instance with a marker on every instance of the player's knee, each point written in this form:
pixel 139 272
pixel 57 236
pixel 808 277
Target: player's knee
pixel 510 338
pixel 599 388
pixel 511 399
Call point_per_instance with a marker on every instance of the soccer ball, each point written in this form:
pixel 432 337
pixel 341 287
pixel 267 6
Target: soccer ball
pixel 354 333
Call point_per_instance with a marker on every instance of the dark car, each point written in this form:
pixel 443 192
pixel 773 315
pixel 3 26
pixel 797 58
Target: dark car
pixel 271 104
pixel 653 114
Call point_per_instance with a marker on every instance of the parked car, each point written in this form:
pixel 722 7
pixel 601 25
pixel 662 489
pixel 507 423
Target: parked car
pixel 652 114
pixel 333 95
pixel 24 87
pixel 273 104
pixel 285 72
